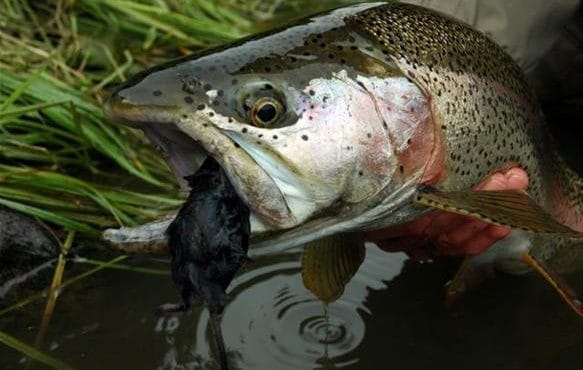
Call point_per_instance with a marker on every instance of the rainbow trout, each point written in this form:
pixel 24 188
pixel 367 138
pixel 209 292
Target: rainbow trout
pixel 358 119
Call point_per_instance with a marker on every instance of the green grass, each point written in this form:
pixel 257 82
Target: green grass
pixel 32 352
pixel 61 161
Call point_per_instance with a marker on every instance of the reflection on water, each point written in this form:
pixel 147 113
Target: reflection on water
pixel 272 319
pixel 390 316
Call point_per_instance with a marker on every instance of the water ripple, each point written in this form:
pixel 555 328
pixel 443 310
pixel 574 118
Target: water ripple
pixel 272 320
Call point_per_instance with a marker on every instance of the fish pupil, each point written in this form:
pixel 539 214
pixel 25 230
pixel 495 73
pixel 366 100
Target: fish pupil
pixel 267 112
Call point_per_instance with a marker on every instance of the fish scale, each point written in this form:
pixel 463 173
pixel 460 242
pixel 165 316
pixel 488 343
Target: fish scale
pixel 346 151
pixel 479 95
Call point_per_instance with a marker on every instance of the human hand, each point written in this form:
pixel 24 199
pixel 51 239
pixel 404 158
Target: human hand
pixel 443 233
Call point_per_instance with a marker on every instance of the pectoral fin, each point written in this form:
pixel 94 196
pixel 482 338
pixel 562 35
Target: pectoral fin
pixel 565 292
pixel 328 264
pixel 511 208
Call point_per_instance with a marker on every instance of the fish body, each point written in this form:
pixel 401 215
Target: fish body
pixel 335 123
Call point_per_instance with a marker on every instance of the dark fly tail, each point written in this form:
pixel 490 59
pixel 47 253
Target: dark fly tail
pixel 215 321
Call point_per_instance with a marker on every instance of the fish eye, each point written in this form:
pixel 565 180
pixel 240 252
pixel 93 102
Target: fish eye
pixel 266 111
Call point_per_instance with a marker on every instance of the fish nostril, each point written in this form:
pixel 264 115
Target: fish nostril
pixel 111 106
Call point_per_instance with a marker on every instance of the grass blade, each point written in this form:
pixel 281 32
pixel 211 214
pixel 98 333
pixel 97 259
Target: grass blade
pixel 32 352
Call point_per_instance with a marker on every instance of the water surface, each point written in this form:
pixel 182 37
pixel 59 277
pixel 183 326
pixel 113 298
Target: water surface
pixel 390 316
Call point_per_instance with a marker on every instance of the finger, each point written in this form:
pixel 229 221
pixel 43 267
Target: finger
pixel 412 228
pixel 497 232
pixel 445 223
pixel 475 246
pixel 513 178
pixel 517 178
pixel 416 249
pixel 463 233
pixel 482 241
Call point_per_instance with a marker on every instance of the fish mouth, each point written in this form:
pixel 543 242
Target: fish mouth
pixel 185 140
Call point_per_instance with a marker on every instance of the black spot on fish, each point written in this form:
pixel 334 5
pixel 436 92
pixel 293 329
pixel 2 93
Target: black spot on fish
pixel 244 130
pixel 188 99
pixel 305 137
pixel 312 92
pixel 360 173
pixel 200 106
pixel 157 93
pixel 274 137
pixel 207 87
pixel 211 114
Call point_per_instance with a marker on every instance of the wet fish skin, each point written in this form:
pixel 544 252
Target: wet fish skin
pixel 282 172
pixel 487 114
pixel 209 238
pixel 471 113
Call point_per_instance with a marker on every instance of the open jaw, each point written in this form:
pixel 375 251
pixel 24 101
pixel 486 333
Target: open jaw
pixel 283 206
pixel 254 183
pixel 185 140
pixel 273 224
pixel 186 145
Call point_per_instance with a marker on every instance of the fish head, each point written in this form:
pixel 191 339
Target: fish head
pixel 310 123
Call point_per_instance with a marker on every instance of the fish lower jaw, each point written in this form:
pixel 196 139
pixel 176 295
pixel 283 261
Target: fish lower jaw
pixel 252 182
pixel 300 213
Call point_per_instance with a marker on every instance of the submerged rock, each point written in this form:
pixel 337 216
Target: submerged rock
pixel 24 244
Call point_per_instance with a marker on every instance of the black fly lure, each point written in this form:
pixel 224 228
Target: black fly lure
pixel 208 242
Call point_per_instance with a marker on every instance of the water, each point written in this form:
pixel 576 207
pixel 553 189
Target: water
pixel 390 316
